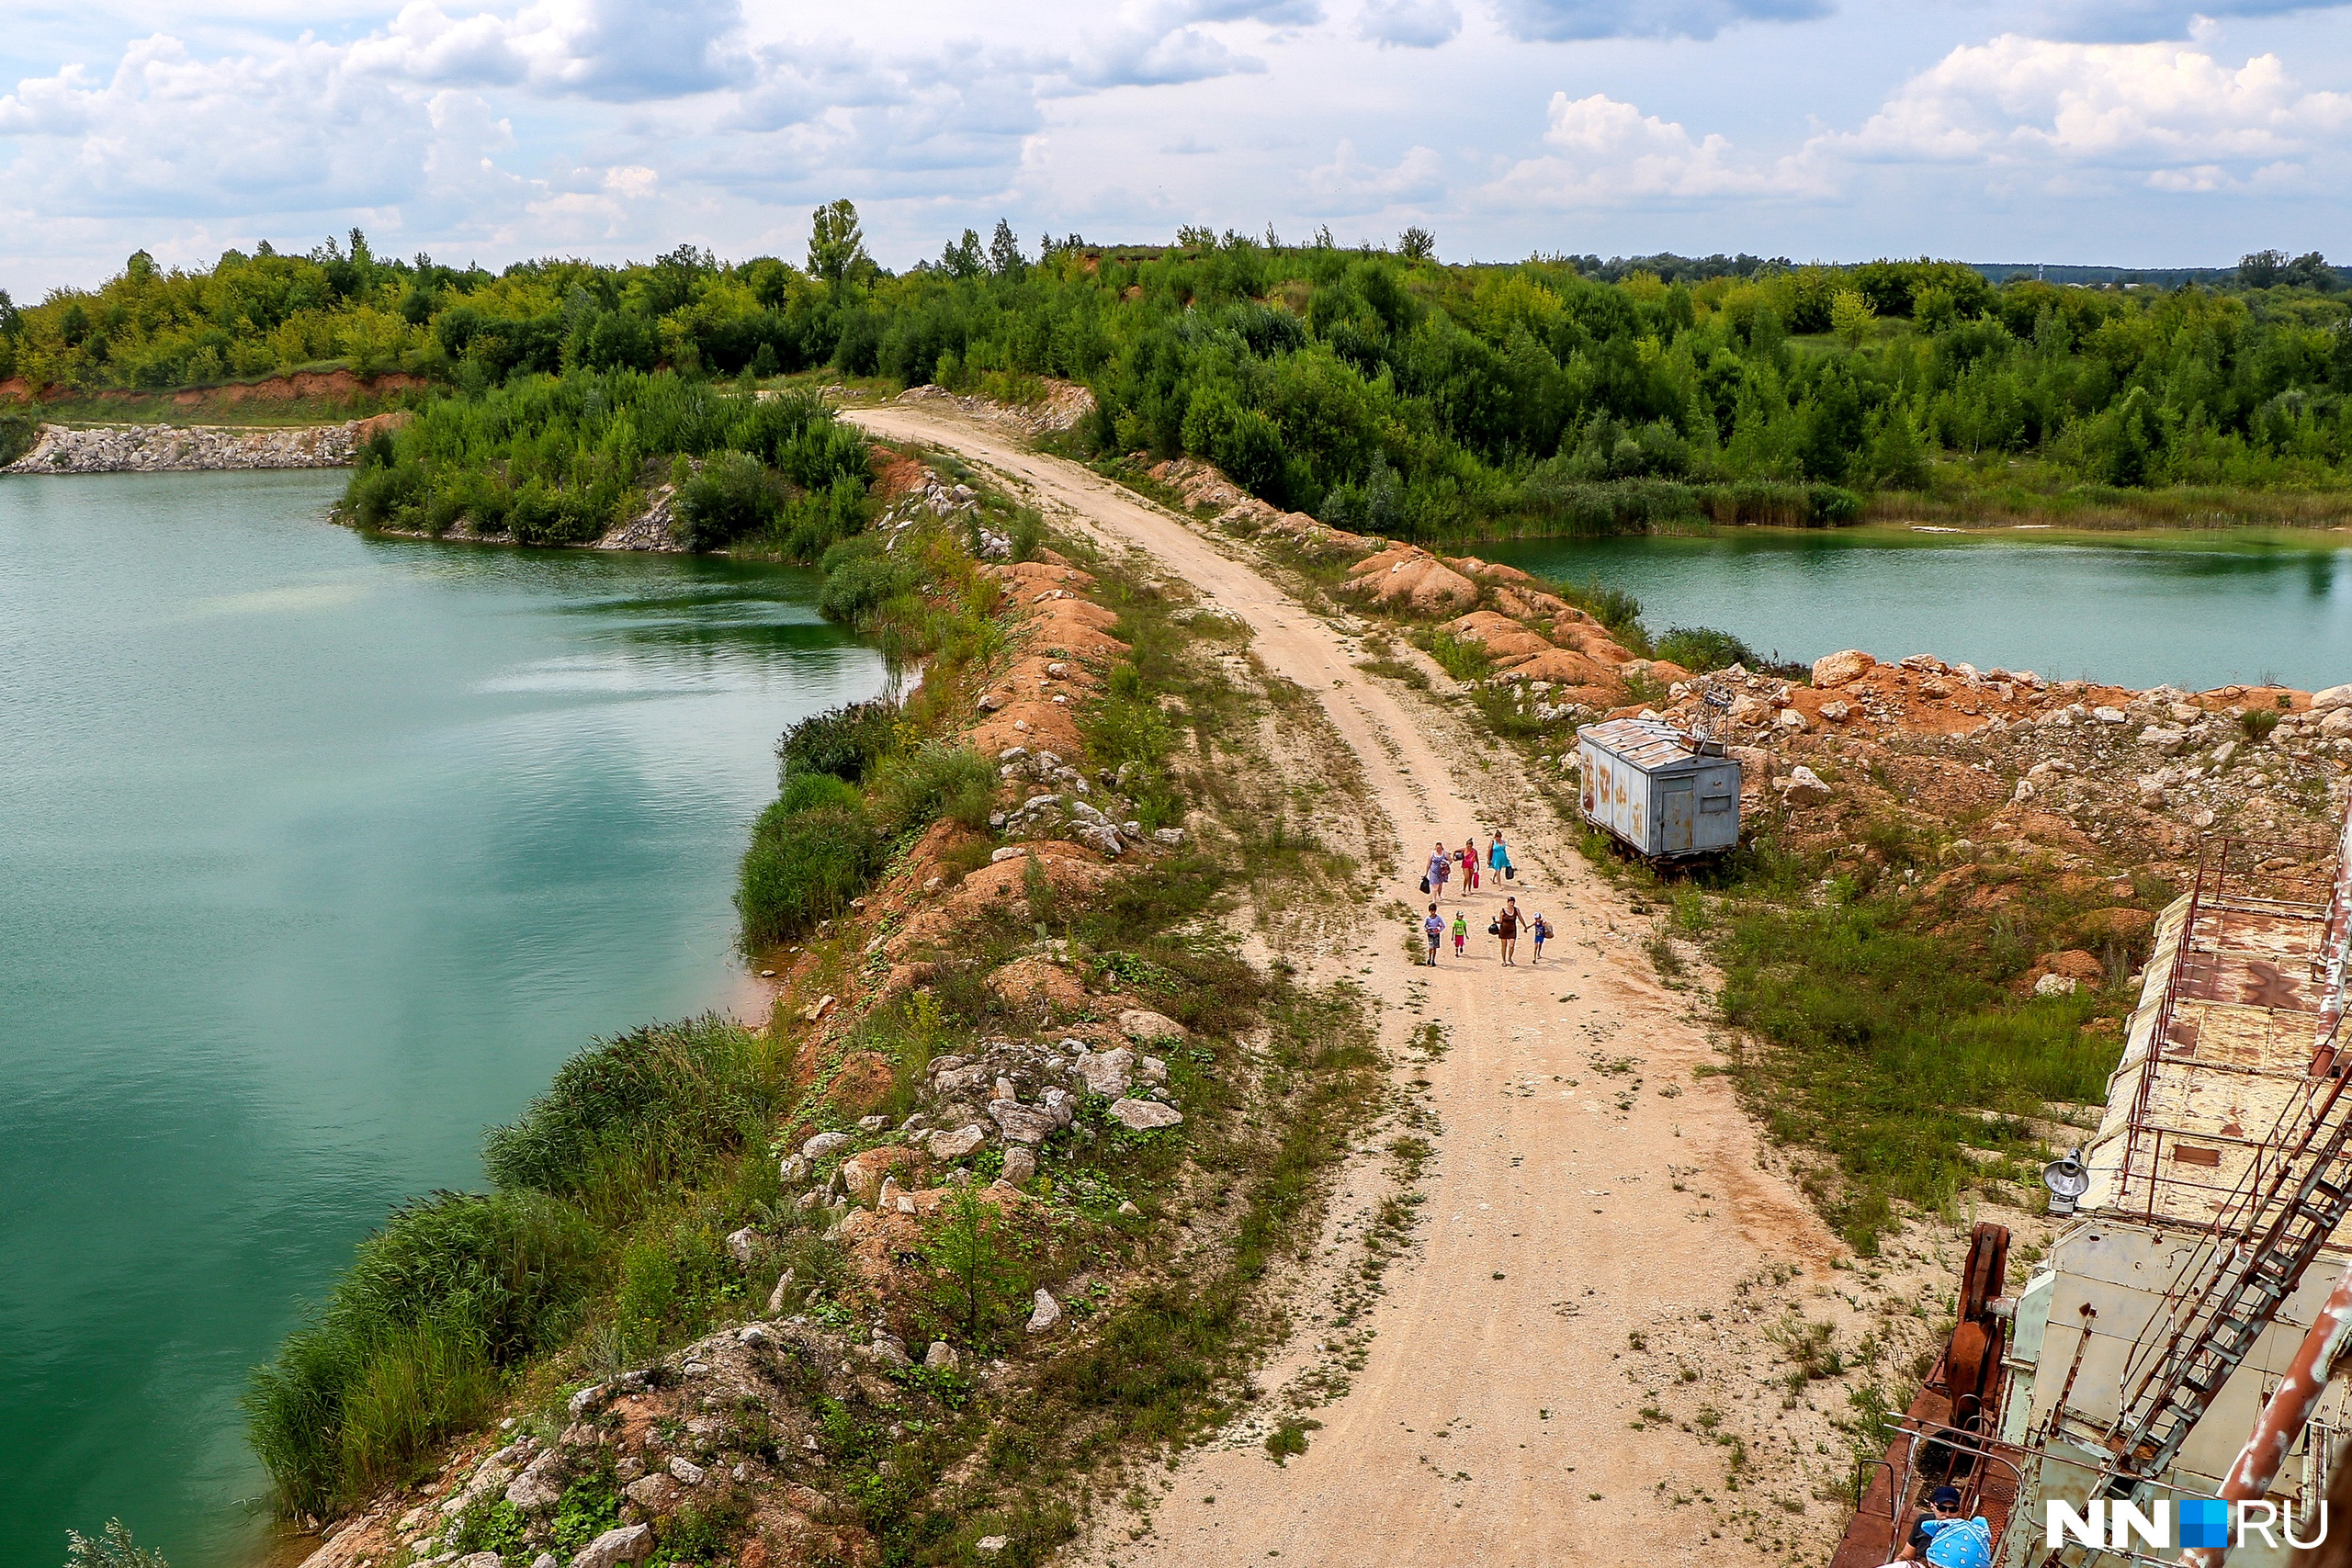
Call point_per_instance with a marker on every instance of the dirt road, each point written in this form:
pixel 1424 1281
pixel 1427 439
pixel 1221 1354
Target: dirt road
pixel 1594 1208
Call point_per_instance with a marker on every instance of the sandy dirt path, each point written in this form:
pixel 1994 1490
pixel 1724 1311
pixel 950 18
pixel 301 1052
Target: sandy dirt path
pixel 1587 1188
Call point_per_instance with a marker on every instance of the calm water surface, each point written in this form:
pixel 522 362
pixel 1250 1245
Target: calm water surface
pixel 2196 610
pixel 316 856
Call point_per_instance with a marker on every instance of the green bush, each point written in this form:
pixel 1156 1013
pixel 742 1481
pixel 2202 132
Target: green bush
pixel 914 789
pixel 802 867
pixel 845 741
pixel 860 578
pixel 730 497
pixel 18 431
pixel 1701 649
pixel 659 1103
pixel 406 1351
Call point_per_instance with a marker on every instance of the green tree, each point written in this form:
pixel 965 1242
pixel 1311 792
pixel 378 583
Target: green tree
pixel 963 259
pixel 978 1274
pixel 1850 317
pixel 1417 244
pixel 836 243
pixel 1005 251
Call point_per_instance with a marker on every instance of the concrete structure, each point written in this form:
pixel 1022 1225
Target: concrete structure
pixel 1654 786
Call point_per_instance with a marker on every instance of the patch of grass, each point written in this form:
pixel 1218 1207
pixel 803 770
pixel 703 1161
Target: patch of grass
pixel 1878 1041
pixel 2256 724
pixel 407 1349
pixel 1289 1439
pixel 802 867
pixel 1463 659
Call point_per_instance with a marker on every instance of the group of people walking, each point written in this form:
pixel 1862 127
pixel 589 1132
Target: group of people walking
pixel 1463 866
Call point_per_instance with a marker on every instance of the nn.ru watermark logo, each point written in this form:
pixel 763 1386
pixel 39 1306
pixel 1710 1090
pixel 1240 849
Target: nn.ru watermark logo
pixel 2197 1521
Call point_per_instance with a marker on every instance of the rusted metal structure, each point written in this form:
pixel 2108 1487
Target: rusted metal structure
pixel 1665 793
pixel 2181 1310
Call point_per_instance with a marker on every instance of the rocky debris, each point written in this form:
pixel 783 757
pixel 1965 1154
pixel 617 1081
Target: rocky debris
pixel 2055 986
pixel 1062 406
pixel 957 1144
pixel 1804 787
pixel 942 1356
pixel 824 1144
pixel 742 1244
pixel 1144 1026
pixel 991 1545
pixel 1107 1073
pixel 1841 669
pixel 1047 1313
pixel 172 448
pixel 1021 1123
pixel 1411 579
pixel 654 528
pixel 631 1543
pixel 1019 1166
pixel 540 1487
pixel 1145 1115
pixel 864 1174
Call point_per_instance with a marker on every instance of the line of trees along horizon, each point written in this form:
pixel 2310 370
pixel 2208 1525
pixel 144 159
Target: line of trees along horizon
pixel 1381 390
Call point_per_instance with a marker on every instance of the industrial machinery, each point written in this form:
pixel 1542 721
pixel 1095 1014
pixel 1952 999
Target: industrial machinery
pixel 2177 1342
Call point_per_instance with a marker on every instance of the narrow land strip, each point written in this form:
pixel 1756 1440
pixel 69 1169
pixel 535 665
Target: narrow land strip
pixel 1594 1202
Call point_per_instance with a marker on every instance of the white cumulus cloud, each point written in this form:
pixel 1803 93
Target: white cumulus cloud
pixel 1605 153
pixel 2167 110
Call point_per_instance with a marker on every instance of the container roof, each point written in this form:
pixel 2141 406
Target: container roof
pixel 2225 1062
pixel 1645 742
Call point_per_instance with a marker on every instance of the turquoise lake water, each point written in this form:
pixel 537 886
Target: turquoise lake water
pixel 319 854
pixel 2196 610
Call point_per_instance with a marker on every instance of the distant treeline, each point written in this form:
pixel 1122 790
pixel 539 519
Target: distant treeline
pixel 1377 388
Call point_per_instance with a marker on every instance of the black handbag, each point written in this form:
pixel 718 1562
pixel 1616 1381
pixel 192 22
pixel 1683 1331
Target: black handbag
pixel 1493 928
pixel 1425 883
pixel 1511 873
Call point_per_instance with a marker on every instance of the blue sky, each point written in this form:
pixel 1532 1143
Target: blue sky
pixel 2133 131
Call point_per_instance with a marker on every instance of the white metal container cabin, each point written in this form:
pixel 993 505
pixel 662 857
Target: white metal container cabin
pixel 2226 1059
pixel 1662 793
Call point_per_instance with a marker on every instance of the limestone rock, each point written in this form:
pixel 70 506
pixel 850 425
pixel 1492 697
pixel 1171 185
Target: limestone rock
pixel 632 1543
pixel 2338 722
pixel 2332 698
pixel 957 1145
pixel 824 1144
pixel 1144 1026
pixel 2055 986
pixel 1019 1166
pixel 540 1487
pixel 478 1559
pixel 864 1173
pixel 1805 787
pixel 1047 1313
pixel 742 1244
pixel 1107 1073
pixel 653 1493
pixel 688 1472
pixel 1144 1115
pixel 795 1170
pixel 1841 669
pixel 1021 1123
pixel 942 1356
pixel 990 1545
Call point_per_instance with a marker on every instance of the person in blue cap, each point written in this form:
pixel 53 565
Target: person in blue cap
pixel 1951 1541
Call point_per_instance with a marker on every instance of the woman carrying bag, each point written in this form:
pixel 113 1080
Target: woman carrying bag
pixel 1498 858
